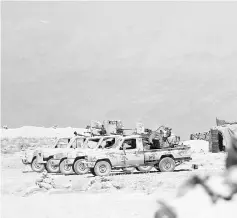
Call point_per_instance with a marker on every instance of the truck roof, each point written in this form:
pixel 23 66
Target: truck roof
pixel 64 137
pixel 111 136
pixel 79 137
pixel 103 136
pixel 132 136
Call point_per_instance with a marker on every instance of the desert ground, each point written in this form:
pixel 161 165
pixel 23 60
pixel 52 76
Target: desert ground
pixel 123 195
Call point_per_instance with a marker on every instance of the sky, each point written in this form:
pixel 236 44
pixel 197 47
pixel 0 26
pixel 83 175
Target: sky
pixel 171 63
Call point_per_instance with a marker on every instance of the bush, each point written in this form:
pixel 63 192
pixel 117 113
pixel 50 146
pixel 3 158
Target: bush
pixel 12 145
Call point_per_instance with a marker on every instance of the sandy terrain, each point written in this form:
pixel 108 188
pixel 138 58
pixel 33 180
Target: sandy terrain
pixel 130 195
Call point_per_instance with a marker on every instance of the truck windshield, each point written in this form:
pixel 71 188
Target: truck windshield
pixel 62 143
pixel 76 143
pixel 91 143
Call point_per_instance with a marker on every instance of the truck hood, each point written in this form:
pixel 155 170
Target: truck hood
pixel 96 154
pixel 85 151
pixel 51 151
pixel 105 151
pixel 81 151
pixel 28 153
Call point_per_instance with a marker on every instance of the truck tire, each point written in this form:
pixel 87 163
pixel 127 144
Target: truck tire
pixel 102 168
pixel 167 164
pixel 65 169
pixel 51 168
pixel 92 171
pixel 129 169
pixel 37 167
pixel 80 168
pixel 144 168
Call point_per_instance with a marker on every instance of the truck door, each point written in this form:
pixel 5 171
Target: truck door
pixel 133 154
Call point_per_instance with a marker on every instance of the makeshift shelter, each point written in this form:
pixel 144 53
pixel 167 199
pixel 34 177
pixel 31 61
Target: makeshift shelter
pixel 220 137
pixel 224 122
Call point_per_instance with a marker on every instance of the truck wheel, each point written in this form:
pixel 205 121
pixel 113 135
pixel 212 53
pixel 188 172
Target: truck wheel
pixel 51 168
pixel 23 161
pixel 65 168
pixel 129 169
pixel 37 167
pixel 102 168
pixel 144 168
pixel 167 164
pixel 80 167
pixel 92 171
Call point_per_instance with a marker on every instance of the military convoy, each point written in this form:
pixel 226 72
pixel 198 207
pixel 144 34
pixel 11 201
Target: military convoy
pixel 132 152
pixel 45 157
pixel 30 156
pixel 71 161
pixel 110 148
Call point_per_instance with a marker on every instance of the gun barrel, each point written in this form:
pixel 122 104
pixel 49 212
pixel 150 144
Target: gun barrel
pixel 80 134
pixel 96 127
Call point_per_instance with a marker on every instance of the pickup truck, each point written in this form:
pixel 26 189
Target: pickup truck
pixel 71 161
pixel 45 156
pixel 133 152
pixel 29 156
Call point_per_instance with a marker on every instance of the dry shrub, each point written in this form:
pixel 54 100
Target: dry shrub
pixel 12 145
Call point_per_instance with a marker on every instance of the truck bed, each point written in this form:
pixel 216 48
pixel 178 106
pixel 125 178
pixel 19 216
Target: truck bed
pixel 167 149
pixel 177 153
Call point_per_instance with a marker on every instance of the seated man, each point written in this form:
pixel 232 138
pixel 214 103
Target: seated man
pixel 126 145
pixel 155 144
pixel 129 144
pixel 109 143
pixel 106 143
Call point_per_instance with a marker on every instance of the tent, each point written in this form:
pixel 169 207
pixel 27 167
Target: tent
pixel 224 122
pixel 220 137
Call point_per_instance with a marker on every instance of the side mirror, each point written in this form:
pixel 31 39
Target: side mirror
pixel 124 149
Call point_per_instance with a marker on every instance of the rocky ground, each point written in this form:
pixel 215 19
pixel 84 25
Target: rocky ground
pixel 119 195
